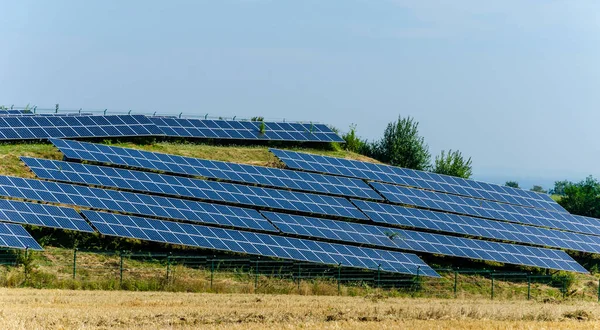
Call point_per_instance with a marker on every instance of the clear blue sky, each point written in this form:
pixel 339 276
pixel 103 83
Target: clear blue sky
pixel 514 84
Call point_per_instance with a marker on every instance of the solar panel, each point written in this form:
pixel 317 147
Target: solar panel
pixel 424 242
pixel 485 209
pixel 264 176
pixel 15 236
pixel 460 224
pixel 413 178
pixel 245 130
pixel 132 203
pixel 14 112
pixel 257 244
pixel 193 188
pixel 43 215
pixel 42 127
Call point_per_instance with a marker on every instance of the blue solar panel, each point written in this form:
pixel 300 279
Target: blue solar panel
pixel 15 236
pixel 245 130
pixel 413 178
pixel 132 203
pixel 460 224
pixel 485 209
pixel 193 188
pixel 43 215
pixel 257 244
pixel 264 176
pixel 424 242
pixel 14 112
pixel 42 127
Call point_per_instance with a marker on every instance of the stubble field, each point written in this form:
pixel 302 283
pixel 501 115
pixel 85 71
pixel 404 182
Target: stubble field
pixel 65 309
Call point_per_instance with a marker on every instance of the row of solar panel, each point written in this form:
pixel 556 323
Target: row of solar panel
pixel 189 166
pixel 120 178
pixel 421 179
pixel 19 126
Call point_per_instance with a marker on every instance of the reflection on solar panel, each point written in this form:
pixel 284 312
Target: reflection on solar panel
pixel 193 188
pixel 486 209
pixel 15 236
pixel 460 224
pixel 265 176
pixel 132 203
pixel 424 242
pixel 257 244
pixel 41 127
pixel 43 215
pixel 245 130
pixel 421 179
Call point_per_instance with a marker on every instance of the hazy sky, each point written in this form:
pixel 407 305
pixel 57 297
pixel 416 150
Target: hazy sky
pixel 513 84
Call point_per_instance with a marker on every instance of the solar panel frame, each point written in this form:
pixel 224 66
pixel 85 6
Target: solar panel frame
pixel 43 215
pixel 234 172
pixel 256 243
pixel 414 178
pixel 133 203
pixel 192 188
pixel 485 209
pixel 225 129
pixel 424 242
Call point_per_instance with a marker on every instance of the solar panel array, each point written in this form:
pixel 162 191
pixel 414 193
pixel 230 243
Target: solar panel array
pixel 424 242
pixel 42 127
pixel 264 176
pixel 132 203
pixel 486 209
pixel 257 244
pixel 472 226
pixel 14 236
pixel 245 130
pixel 193 188
pixel 43 215
pixel 420 179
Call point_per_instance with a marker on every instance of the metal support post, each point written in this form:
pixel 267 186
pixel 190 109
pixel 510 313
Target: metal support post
pixel 256 275
pixel 455 283
pixel 492 277
pixel 339 278
pixel 379 276
pixel 74 262
pixel 528 287
pixel 212 272
pixel 121 269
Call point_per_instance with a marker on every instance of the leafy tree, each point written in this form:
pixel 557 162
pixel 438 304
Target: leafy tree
pixel 402 145
pixel 559 187
pixel 258 118
pixel 538 189
pixel 354 143
pixel 582 198
pixel 513 184
pixel 453 163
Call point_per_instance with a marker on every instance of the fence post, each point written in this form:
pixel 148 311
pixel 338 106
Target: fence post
pixel 168 266
pixel 378 276
pixel 256 275
pixel 212 272
pixel 528 287
pixel 300 276
pixel 455 283
pixel 121 269
pixel 564 287
pixel 74 262
pixel 339 278
pixel 26 264
pixel 492 278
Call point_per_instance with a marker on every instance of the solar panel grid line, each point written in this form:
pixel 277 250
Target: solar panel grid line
pixel 133 203
pixel 459 224
pixel 423 242
pixel 43 215
pixel 15 236
pixel 485 209
pixel 256 243
pixel 222 129
pixel 421 179
pixel 192 188
pixel 180 165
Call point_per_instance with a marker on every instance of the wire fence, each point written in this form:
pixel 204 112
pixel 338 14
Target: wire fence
pixel 119 270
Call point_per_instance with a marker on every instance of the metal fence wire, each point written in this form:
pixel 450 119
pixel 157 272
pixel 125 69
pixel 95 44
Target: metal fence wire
pixel 121 270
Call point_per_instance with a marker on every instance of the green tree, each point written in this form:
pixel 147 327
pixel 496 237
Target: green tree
pixel 538 189
pixel 402 145
pixel 355 143
pixel 453 163
pixel 513 184
pixel 559 187
pixel 582 198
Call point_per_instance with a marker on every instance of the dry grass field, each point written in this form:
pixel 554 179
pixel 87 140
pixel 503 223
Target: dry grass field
pixel 64 309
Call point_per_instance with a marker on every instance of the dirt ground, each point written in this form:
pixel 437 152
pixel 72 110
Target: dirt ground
pixel 64 309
